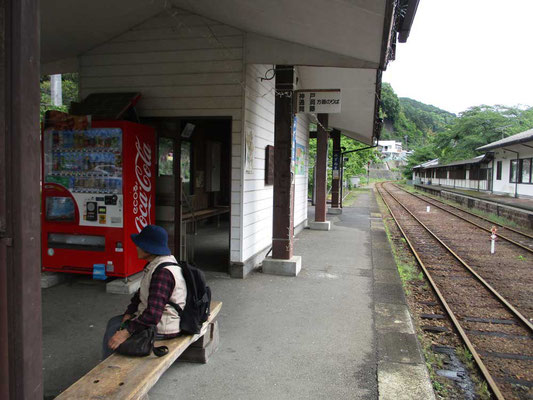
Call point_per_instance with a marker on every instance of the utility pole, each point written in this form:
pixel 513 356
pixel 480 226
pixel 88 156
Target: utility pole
pixel 56 92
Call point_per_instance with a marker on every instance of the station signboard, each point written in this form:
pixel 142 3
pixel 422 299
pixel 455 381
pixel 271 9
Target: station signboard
pixel 318 101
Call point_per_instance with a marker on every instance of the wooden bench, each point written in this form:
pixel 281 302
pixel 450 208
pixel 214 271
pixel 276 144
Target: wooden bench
pixel 205 213
pixel 120 377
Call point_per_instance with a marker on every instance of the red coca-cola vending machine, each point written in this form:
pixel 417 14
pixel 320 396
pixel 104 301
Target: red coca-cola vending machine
pixel 98 189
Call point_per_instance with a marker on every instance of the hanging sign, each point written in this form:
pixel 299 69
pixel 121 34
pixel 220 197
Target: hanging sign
pixel 294 130
pixel 318 101
pixel 336 164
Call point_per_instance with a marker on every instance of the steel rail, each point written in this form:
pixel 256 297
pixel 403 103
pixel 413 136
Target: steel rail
pixel 486 374
pixel 472 222
pixel 470 269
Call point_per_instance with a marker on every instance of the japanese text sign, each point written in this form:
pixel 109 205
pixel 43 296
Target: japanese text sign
pixel 319 101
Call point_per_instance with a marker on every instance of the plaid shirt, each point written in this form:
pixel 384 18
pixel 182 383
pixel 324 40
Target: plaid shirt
pixel 161 288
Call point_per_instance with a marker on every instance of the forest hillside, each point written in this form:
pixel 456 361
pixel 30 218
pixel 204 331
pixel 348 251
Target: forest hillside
pixel 430 132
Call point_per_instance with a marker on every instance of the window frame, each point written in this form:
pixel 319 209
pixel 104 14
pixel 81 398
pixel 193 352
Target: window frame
pixel 513 165
pixel 521 169
pixel 499 168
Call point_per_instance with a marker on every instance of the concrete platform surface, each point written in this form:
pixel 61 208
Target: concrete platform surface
pixel 318 335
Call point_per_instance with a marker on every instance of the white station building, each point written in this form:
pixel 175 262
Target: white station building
pixel 511 164
pixel 505 168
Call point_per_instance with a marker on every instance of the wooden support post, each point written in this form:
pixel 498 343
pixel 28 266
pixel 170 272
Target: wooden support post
pixel 282 246
pixel 321 168
pixel 179 251
pixel 20 227
pixel 336 170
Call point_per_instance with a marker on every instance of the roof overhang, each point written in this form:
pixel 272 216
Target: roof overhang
pixel 406 22
pixel 351 41
pixel 299 32
pixel 519 138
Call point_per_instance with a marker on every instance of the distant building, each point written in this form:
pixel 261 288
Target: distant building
pixel 391 150
pixel 505 169
pixel 473 173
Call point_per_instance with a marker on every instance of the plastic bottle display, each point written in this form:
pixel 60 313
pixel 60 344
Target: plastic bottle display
pixel 86 161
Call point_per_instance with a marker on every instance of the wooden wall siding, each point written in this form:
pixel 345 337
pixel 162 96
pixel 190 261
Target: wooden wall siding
pixel 182 71
pixel 258 197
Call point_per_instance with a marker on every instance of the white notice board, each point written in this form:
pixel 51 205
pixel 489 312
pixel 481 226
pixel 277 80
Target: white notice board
pixel 318 101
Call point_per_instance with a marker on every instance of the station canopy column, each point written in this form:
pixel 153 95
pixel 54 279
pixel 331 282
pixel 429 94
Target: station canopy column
pixel 336 173
pixel 321 175
pixel 283 261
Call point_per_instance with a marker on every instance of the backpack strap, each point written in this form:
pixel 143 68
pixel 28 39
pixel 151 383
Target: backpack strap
pixel 167 264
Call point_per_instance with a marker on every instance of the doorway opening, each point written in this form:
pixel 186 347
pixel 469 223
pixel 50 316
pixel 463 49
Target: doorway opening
pixel 193 188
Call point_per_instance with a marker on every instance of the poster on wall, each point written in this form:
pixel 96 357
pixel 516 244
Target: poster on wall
pixel 249 147
pixel 299 167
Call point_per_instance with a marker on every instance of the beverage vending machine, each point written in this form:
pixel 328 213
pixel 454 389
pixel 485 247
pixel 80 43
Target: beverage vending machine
pixel 98 189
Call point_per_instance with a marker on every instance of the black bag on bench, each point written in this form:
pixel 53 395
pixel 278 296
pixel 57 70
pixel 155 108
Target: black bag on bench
pixel 141 344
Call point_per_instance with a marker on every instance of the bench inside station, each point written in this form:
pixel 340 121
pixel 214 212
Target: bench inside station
pixel 121 377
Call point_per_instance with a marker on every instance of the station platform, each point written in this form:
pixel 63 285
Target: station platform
pixel 517 210
pixel 525 204
pixel 340 329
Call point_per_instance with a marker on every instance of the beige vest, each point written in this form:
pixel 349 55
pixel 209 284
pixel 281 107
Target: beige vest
pixel 170 320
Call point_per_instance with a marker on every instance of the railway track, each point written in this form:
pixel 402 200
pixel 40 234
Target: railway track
pixel 499 337
pixel 519 238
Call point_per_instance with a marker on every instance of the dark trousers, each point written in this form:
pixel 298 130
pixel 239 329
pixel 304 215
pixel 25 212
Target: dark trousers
pixel 112 326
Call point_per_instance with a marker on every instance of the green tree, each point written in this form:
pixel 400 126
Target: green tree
pixel 478 126
pixel 354 165
pixel 69 85
pixel 410 121
pixel 420 155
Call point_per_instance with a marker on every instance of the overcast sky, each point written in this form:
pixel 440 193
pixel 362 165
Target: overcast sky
pixel 463 53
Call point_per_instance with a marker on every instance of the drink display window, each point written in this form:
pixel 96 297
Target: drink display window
pixel 88 161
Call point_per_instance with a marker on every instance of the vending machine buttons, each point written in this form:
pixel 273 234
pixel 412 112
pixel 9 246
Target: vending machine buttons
pixel 102 215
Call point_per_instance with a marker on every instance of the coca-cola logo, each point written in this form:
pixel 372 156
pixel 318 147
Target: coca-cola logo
pixel 142 190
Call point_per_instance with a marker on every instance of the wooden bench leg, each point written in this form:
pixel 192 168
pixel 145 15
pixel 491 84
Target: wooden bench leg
pixel 206 339
pixel 201 350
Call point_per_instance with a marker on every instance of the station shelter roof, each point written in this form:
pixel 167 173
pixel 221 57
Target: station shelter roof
pixel 436 164
pixel 346 45
pixel 522 137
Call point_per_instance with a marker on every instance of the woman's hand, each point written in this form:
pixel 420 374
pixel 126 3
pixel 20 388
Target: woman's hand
pixel 118 338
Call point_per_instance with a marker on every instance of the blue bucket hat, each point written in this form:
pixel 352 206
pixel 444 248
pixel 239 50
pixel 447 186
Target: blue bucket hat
pixel 153 239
